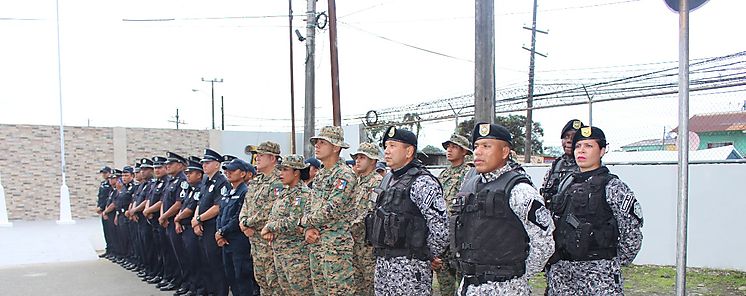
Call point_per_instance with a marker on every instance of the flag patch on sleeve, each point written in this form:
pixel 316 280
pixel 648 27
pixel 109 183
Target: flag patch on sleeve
pixel 340 184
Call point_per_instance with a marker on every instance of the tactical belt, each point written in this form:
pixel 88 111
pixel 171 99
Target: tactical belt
pixel 496 273
pixel 599 254
pixel 420 254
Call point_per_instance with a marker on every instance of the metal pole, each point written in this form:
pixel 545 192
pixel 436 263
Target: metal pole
pixel 177 118
pixel 222 113
pixel 530 100
pixel 309 122
pixel 292 80
pixel 336 115
pixel 65 211
pixel 484 61
pixel 682 205
pixel 212 88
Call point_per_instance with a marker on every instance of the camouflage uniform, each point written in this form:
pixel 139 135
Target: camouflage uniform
pixel 603 276
pixel 331 211
pixel 289 247
pixel 541 243
pixel 363 261
pixel 262 192
pixel 451 179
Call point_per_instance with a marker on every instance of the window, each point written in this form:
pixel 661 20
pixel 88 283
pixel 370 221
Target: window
pixel 718 144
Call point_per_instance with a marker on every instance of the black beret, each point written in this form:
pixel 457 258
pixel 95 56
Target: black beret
pixel 173 157
pixel 490 131
pixel 590 133
pixel 211 155
pixel 128 169
pixel 400 135
pixel 574 124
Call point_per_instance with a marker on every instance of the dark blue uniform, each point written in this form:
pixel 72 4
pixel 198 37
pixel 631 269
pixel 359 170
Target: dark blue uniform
pixel 142 229
pixel 237 253
pixel 121 205
pixel 175 192
pixel 212 258
pixel 160 241
pixel 191 257
pixel 104 190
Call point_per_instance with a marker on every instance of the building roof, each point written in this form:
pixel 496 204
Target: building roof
pixel 651 142
pixel 715 122
pixel 713 154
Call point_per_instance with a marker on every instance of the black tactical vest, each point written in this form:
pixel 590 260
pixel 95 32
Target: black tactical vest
pixel 560 169
pixel 489 240
pixel 396 226
pixel 586 228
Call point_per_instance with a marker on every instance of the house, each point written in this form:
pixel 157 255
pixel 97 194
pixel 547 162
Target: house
pixel 720 129
pixel 667 144
pixel 713 154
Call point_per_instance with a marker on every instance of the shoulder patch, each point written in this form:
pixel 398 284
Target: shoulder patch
pixel 340 184
pixel 297 201
pixel 539 215
pixel 211 188
pixel 196 195
pixel 223 190
pixel 184 185
pixel 276 191
pixel 637 211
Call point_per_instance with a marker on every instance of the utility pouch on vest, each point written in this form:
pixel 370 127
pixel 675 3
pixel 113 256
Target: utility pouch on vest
pixel 374 227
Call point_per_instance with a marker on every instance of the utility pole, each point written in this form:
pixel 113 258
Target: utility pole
pixel 484 61
pixel 590 106
pixel 530 101
pixel 222 113
pixel 309 121
pixel 212 86
pixel 336 115
pixel 292 79
pixel 177 121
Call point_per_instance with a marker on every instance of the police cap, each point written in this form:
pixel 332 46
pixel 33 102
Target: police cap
pixel 211 155
pixel 399 135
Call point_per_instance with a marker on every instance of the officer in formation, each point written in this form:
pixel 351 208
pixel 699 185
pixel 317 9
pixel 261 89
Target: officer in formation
pixel 171 203
pixel 366 158
pixel 598 223
pixel 457 148
pixel 136 262
pixel 144 231
pixel 104 190
pixel 236 246
pixel 327 220
pixel 263 190
pixel 501 233
pixel 195 278
pixel 108 215
pixel 152 212
pixel 289 249
pixel 562 166
pixel 409 226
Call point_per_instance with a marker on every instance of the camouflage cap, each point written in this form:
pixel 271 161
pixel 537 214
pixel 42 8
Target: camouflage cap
pixel 460 141
pixel 368 149
pixel 294 161
pixel 331 134
pixel 268 147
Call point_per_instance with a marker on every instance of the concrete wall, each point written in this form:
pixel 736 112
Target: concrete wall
pixel 716 204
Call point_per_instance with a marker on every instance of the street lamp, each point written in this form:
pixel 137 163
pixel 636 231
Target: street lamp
pixel 212 86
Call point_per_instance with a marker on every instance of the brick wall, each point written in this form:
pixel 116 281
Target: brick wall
pixel 30 163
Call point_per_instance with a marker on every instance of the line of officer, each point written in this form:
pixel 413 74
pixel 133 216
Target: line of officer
pixel 409 226
pixel 451 178
pixel 501 233
pixel 598 223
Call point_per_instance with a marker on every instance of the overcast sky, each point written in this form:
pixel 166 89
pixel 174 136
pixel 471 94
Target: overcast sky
pixel 136 74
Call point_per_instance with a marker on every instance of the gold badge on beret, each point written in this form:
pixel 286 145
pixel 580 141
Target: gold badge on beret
pixel 484 129
pixel 586 131
pixel 392 131
pixel 576 124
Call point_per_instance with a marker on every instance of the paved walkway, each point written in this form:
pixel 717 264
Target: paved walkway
pixel 99 277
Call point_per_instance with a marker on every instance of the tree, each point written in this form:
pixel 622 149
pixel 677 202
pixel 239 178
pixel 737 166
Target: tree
pixel 411 122
pixel 516 125
pixel 430 149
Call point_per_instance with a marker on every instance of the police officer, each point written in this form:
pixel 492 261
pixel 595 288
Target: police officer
pixel 183 226
pixel 381 168
pixel 152 213
pixel 135 243
pixel 108 215
pixel 364 262
pixel 501 231
pixel 264 189
pixel 457 148
pixel 145 233
pixel 289 248
pixel 211 263
pixel 562 166
pixel 309 174
pixel 236 247
pixel 175 165
pixel 327 220
pixel 598 224
pixel 104 189
pixel 409 225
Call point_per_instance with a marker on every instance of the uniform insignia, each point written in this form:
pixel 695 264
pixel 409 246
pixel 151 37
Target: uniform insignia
pixel 576 124
pixel 235 196
pixel 439 204
pixel 196 196
pixel 184 185
pixel 297 201
pixel 373 196
pixel 277 191
pixel 223 191
pixel 586 131
pixel 484 129
pixel 211 188
pixel 539 215
pixel 637 211
pixel 627 203
pixel 340 184
pixel 160 185
pixel 182 194
pixel 233 191
pixel 392 131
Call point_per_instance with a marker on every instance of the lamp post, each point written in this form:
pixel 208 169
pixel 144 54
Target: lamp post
pixel 212 87
pixel 65 211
